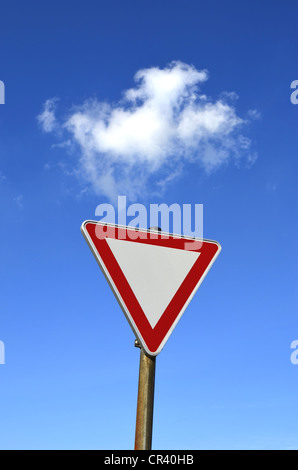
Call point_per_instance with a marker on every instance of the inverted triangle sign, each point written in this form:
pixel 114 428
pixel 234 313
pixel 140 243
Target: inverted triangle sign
pixel 153 275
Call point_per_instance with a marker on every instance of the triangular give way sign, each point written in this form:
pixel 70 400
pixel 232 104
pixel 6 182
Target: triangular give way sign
pixel 153 275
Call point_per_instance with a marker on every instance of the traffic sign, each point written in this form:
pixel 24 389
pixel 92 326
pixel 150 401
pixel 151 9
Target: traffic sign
pixel 153 275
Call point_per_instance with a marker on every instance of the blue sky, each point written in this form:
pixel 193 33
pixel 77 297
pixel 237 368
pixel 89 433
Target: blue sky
pixel 224 379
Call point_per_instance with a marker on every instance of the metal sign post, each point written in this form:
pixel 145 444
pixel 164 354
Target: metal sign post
pixel 144 421
pixel 153 278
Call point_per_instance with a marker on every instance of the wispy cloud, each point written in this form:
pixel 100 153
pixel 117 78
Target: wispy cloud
pixel 19 200
pixel 157 126
pixel 47 118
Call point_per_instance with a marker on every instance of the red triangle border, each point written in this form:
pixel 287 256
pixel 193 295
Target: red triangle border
pixel 152 339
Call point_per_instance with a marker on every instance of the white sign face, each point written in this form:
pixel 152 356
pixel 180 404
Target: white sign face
pixel 154 273
pixel 153 279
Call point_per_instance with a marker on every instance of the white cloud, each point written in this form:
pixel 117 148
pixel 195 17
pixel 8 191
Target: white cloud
pixel 159 125
pixel 254 114
pixel 47 118
pixel 19 200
